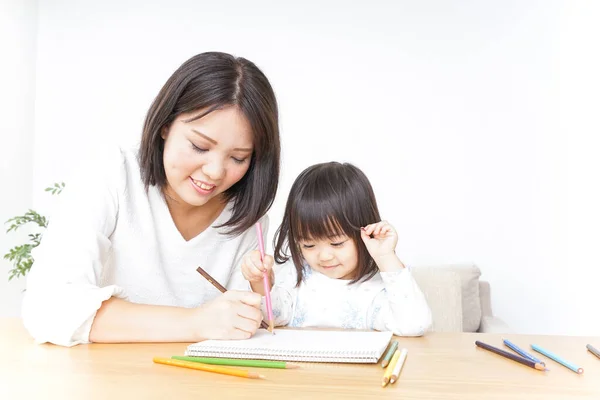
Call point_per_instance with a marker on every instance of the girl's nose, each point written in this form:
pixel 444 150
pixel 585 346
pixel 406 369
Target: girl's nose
pixel 325 255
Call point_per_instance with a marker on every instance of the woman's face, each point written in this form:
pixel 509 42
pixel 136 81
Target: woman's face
pixel 205 157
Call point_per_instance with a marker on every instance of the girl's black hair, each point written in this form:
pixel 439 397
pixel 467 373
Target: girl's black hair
pixel 327 200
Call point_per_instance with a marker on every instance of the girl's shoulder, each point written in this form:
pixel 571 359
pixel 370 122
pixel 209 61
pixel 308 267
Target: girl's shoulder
pixel 374 284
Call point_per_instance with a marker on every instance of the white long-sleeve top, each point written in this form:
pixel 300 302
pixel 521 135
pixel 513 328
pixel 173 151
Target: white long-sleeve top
pixel 112 238
pixel 390 301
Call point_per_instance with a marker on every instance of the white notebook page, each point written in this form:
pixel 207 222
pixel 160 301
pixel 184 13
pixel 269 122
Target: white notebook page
pixel 299 345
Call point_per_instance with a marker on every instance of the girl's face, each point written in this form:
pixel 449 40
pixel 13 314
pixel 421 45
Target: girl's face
pixel 205 157
pixel 335 258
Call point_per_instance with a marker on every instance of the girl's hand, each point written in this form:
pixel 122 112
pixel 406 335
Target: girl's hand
pixel 382 244
pixel 253 270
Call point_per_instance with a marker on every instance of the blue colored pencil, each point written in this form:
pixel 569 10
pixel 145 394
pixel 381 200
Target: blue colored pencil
pixel 556 358
pixel 522 352
pixel 593 350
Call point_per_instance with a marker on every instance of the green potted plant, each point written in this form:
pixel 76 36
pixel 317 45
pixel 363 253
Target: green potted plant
pixel 20 255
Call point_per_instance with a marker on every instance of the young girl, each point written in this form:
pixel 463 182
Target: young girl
pixel 118 263
pixel 344 272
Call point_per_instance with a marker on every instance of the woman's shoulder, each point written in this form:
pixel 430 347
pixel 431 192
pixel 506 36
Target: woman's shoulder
pixel 113 167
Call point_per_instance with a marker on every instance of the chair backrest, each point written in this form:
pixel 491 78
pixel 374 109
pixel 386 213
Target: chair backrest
pixel 452 290
pixel 442 290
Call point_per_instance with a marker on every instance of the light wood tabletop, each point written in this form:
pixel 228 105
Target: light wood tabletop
pixel 438 366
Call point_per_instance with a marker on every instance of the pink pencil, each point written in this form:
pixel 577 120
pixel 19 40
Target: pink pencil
pixel 261 248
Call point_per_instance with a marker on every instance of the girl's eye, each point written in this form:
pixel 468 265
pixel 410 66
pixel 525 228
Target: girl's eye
pixel 338 244
pixel 238 161
pixel 308 246
pixel 198 149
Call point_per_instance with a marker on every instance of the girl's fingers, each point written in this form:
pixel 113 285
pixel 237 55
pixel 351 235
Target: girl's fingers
pixel 255 260
pixel 268 263
pixel 368 229
pixel 380 226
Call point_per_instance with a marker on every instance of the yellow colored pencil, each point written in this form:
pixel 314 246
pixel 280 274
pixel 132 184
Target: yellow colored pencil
pixel 208 368
pixel 399 364
pixel 390 368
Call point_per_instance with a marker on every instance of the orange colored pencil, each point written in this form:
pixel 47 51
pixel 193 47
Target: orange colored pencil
pixel 208 368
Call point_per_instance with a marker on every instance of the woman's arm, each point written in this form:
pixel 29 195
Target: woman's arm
pixel 63 293
pixel 65 302
pixel 234 315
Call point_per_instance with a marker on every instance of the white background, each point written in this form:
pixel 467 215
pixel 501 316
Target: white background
pixel 477 122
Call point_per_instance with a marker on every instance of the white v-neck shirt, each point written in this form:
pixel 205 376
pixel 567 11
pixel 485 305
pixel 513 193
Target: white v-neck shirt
pixel 112 238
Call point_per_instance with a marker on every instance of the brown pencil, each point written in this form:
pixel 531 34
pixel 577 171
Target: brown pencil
pixel 222 289
pixel 511 356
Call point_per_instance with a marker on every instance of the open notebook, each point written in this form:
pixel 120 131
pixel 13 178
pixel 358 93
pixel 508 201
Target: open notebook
pixel 299 345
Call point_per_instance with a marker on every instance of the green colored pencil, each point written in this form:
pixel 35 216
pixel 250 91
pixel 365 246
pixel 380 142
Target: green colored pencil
pixel 238 362
pixel 388 356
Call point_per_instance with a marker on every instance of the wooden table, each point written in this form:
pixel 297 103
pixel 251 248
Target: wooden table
pixel 439 366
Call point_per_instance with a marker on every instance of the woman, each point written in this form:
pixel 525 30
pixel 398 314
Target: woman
pixel 118 263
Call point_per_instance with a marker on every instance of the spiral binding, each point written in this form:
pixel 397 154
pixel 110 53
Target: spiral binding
pixel 355 356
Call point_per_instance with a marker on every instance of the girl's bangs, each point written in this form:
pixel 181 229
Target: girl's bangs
pixel 319 221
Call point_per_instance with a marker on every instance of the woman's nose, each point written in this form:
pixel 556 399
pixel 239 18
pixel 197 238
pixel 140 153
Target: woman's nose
pixel 214 169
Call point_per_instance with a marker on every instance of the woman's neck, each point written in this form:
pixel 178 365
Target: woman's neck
pixel 191 220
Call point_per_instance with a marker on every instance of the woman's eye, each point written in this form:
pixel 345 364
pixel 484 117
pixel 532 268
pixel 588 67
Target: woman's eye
pixel 198 149
pixel 238 161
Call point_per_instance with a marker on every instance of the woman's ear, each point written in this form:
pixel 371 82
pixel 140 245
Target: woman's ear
pixel 164 132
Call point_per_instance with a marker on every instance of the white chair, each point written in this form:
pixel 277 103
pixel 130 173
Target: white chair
pixel 459 300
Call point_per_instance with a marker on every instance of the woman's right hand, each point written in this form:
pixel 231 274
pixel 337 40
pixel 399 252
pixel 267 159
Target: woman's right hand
pixel 233 315
pixel 254 269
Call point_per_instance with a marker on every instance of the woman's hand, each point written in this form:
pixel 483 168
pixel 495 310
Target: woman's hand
pixel 233 315
pixel 254 269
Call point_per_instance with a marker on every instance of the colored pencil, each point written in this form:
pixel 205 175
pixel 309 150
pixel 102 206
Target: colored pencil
pixel 208 368
pixel 238 362
pixel 398 367
pixel 221 289
pixel 593 350
pixel 389 353
pixel 390 368
pixel 511 356
pixel 266 283
pixel 522 352
pixel 556 358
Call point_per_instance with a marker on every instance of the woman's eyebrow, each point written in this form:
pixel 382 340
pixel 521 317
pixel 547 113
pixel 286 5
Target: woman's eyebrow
pixel 213 141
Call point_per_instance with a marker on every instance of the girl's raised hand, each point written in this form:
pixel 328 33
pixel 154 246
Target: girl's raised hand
pixel 380 239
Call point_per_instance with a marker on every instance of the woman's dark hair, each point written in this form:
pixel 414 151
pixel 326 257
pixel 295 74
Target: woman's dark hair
pixel 212 81
pixel 327 200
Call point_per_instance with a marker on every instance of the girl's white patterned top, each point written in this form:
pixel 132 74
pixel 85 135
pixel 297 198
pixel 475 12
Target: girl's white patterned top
pixel 390 301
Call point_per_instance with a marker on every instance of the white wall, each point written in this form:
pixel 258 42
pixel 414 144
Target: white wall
pixel 17 92
pixel 476 121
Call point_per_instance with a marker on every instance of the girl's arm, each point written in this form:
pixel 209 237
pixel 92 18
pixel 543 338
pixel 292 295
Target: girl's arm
pixel 249 243
pixel 283 295
pixel 401 306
